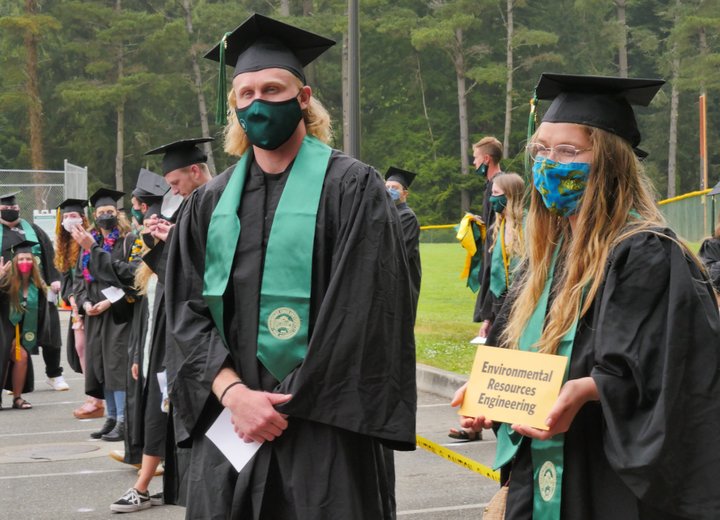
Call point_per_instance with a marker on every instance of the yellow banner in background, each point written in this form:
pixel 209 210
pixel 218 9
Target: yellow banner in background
pixel 513 386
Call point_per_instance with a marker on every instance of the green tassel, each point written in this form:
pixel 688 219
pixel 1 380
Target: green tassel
pixel 532 125
pixel 221 106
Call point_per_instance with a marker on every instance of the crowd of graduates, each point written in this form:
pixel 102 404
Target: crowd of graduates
pixel 282 294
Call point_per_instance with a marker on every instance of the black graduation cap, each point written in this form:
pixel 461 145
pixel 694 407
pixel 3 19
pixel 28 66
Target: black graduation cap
pixel 69 205
pixel 105 197
pixel 17 243
pixel 263 43
pixel 8 199
pixel 599 101
pixel 181 153
pixel 150 187
pixel 402 176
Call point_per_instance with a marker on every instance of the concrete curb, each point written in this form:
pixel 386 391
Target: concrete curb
pixel 439 382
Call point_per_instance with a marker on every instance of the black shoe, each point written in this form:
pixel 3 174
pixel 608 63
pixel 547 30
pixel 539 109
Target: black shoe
pixel 132 501
pixel 117 433
pixel 106 428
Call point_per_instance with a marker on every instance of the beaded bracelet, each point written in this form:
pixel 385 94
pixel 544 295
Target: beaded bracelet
pixel 228 387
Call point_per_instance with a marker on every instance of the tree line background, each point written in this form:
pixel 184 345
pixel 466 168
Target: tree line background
pixel 99 82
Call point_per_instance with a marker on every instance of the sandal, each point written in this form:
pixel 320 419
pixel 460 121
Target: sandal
pixel 465 435
pixel 21 404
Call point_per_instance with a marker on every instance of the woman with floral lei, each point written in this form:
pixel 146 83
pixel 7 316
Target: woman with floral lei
pixel 23 311
pixel 635 431
pixel 104 276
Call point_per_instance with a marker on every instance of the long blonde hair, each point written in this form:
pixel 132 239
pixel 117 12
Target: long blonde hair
pixel 513 186
pixel 316 117
pixel 616 186
pixel 11 282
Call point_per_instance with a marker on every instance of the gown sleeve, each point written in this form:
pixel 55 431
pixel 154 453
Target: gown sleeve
pixel 50 273
pixel 656 367
pixel 195 350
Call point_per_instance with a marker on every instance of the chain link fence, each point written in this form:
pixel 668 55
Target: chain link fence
pixel 40 191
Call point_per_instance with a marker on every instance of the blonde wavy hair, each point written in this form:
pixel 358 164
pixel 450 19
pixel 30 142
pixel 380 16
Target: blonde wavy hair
pixel 142 274
pixel 616 186
pixel 513 186
pixel 316 117
pixel 66 249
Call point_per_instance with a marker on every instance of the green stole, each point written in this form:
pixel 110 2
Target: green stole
pixel 287 272
pixel 29 235
pixel 29 318
pixel 547 456
pixel 500 265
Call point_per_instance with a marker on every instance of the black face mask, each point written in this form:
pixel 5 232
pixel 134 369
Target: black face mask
pixel 149 240
pixel 9 215
pixel 107 222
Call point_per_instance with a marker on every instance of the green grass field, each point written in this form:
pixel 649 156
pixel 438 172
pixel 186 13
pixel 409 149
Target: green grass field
pixel 444 324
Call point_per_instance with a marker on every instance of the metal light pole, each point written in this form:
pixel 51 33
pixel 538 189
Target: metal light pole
pixel 353 126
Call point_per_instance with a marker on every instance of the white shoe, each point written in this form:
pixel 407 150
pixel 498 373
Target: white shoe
pixel 478 340
pixel 58 383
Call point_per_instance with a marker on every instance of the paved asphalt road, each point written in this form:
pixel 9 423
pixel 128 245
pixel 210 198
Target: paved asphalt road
pixel 50 469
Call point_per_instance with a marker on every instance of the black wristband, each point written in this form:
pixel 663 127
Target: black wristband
pixel 228 387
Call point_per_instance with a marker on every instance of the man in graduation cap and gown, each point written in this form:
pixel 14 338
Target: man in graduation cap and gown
pixel 12 223
pixel 635 431
pixel 184 166
pixel 397 182
pixel 147 357
pixel 289 304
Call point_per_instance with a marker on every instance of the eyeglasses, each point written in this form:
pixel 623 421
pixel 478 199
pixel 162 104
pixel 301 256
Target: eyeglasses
pixel 564 153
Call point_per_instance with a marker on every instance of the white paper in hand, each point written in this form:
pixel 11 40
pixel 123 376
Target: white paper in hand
pixel 113 293
pixel 237 451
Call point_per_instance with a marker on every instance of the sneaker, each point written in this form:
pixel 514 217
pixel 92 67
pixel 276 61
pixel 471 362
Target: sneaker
pixel 157 499
pixel 58 383
pixel 133 500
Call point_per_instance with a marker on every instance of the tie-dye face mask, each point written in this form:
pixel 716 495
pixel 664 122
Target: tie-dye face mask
pixel 561 185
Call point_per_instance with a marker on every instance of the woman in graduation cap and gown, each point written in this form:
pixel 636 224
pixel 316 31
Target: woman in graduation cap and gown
pixel 107 262
pixel 23 317
pixel 328 407
pixel 710 255
pixel 71 213
pixel 635 431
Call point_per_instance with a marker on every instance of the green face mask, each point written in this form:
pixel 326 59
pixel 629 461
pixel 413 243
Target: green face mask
pixel 498 203
pixel 269 124
pixel 138 215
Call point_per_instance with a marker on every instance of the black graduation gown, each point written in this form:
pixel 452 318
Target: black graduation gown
pixel 650 448
pixel 411 232
pixel 710 255
pixel 488 216
pixel 146 424
pixel 106 335
pixel 67 289
pixel 356 386
pixel 7 333
pixel 52 341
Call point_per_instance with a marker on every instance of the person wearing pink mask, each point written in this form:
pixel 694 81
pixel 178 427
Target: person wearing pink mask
pixel 23 308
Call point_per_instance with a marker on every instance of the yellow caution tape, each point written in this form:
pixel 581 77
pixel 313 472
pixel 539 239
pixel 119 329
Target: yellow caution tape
pixel 458 459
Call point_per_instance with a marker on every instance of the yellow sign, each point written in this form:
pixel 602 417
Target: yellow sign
pixel 513 386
